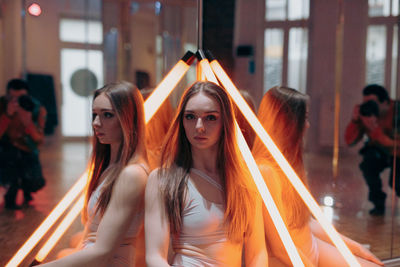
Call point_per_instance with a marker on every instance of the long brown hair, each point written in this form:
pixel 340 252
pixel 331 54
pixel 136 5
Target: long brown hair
pixel 127 102
pixel 156 129
pixel 176 161
pixel 283 113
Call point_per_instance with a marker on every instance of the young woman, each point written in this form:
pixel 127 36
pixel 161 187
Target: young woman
pixel 283 113
pixel 114 206
pixel 202 197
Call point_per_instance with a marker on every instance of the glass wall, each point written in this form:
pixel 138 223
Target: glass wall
pixel 355 190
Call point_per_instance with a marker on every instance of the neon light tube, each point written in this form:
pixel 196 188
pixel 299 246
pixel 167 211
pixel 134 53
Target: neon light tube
pixel 167 85
pixel 206 68
pixel 259 181
pixel 199 73
pixel 62 227
pixel 283 164
pixel 268 200
pixel 58 210
pixel 173 77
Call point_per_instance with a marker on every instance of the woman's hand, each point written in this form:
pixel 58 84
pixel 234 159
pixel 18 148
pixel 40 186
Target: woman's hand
pixel 361 251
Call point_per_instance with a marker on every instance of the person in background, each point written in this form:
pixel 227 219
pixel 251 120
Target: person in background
pixel 22 120
pixel 202 196
pixel 283 113
pixel 114 206
pixel 377 119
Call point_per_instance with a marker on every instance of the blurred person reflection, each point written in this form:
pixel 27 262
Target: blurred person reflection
pixel 244 126
pixel 22 121
pixel 376 119
pixel 114 205
pixel 283 113
pixel 157 128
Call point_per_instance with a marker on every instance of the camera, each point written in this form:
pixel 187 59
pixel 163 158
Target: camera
pixel 369 108
pixel 26 102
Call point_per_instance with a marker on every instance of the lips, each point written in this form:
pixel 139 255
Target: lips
pixel 99 134
pixel 200 138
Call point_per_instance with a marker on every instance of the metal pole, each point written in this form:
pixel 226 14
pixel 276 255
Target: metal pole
pixel 199 24
pixel 23 38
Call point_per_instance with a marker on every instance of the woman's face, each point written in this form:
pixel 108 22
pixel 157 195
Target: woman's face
pixel 105 123
pixel 202 121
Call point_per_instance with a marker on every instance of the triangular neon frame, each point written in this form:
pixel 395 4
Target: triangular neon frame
pixel 213 72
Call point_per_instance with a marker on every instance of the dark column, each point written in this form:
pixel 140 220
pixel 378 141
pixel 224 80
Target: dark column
pixel 218 27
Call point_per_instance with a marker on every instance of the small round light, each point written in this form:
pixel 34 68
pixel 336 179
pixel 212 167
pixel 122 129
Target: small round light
pixel 35 10
pixel 328 201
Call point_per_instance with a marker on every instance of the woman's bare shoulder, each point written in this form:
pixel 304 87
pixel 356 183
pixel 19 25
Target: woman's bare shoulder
pixel 132 174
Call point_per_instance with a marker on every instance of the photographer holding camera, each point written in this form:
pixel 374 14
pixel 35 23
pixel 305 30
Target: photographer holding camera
pixel 376 118
pixel 22 121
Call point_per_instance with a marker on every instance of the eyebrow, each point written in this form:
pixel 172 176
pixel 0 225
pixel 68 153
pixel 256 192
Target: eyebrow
pixel 105 109
pixel 207 112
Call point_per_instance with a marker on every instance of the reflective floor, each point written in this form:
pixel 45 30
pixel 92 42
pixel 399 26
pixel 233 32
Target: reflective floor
pixel 350 208
pixel 64 163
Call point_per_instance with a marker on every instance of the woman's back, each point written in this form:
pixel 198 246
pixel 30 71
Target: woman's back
pixel 130 251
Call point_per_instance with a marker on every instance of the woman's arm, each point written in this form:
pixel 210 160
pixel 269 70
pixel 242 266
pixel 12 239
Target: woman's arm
pixel 156 224
pixel 126 201
pixel 355 247
pixel 255 249
pixel 273 239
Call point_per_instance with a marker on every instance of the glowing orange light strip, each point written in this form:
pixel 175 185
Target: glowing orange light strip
pixel 206 68
pixel 259 181
pixel 283 164
pixel 268 200
pixel 166 86
pixel 62 227
pixel 58 210
pixel 199 73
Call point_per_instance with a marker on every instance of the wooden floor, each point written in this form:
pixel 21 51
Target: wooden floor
pixel 64 162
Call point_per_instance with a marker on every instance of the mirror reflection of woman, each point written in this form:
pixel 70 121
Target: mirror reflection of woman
pixel 202 197
pixel 114 206
pixel 283 114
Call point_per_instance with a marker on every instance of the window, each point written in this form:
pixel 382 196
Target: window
pixel 81 31
pixel 286 43
pixel 81 72
pixel 381 46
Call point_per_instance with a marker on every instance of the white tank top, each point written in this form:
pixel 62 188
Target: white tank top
pixel 202 225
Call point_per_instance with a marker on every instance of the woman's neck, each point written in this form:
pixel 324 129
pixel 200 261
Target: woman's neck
pixel 205 160
pixel 114 152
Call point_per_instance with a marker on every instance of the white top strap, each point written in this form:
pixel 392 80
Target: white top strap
pixel 207 178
